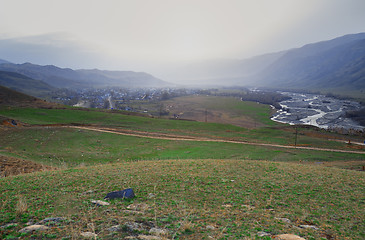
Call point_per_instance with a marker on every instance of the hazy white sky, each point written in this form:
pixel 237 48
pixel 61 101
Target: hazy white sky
pixel 182 30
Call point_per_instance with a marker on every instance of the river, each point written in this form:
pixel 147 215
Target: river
pixel 316 110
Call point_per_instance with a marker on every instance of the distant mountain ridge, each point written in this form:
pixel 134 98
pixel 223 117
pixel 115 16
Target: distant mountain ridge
pixel 68 78
pixel 21 83
pixel 337 63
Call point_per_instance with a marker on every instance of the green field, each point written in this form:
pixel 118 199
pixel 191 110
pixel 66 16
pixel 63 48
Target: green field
pixel 200 189
pixel 239 198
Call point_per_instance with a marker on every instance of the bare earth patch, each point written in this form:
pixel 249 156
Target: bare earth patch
pixel 10 166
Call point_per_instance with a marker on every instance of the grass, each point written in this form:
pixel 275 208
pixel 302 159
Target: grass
pixel 187 128
pixel 221 109
pixel 211 190
pixel 238 197
pixel 66 147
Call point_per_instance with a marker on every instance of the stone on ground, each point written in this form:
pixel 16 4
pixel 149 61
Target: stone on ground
pixel 33 228
pixel 288 237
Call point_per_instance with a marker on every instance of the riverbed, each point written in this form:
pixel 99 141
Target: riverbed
pixel 317 110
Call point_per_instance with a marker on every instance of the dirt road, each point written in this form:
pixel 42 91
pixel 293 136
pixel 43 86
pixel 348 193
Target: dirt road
pixel 198 139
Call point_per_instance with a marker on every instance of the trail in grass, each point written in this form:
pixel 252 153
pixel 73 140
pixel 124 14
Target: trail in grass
pixel 199 139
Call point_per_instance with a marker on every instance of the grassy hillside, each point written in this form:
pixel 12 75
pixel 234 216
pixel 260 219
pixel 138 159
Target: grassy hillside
pixel 192 199
pixel 24 84
pixel 192 184
pixel 11 98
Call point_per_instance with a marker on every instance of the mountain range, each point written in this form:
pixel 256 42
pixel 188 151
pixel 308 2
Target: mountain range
pixel 336 65
pixel 69 78
pixel 333 65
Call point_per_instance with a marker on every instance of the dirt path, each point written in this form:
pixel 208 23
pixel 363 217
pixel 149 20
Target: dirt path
pixel 191 138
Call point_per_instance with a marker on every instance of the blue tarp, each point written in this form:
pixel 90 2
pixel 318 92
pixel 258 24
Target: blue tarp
pixel 126 193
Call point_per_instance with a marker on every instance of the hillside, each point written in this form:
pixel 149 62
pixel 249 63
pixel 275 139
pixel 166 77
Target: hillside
pixel 192 180
pixel 21 83
pixel 3 61
pixel 335 64
pixel 9 97
pixel 66 77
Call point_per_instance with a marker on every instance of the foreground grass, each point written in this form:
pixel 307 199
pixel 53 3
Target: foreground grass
pixel 237 197
pixel 66 147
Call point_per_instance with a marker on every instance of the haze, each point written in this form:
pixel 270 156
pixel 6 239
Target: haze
pixel 157 36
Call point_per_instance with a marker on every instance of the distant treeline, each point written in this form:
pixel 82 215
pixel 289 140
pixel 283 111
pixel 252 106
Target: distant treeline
pixel 271 98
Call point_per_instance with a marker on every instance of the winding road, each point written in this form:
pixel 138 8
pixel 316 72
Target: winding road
pixel 199 139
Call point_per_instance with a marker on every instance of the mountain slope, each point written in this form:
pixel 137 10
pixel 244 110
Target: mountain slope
pixel 66 77
pixel 335 64
pixel 23 83
pixel 9 97
pixel 3 61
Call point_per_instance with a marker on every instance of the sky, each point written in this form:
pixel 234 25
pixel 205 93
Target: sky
pixel 148 34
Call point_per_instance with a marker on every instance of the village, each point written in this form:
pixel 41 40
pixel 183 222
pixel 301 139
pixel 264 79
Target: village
pixel 117 98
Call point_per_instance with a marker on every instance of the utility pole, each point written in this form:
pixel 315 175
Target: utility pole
pixel 206 115
pixel 296 135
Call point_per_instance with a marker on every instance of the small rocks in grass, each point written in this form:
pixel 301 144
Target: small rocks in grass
pixel 248 207
pixel 132 212
pixel 88 235
pixel 33 228
pixel 309 226
pixel 210 227
pixel 133 226
pixel 138 207
pixel 227 205
pixel 88 192
pixel 151 195
pixel 124 194
pixel 100 203
pixel 9 225
pixel 158 232
pixel 263 234
pixel 50 221
pixel 115 228
pixel 288 237
pixel 149 237
pixel 286 220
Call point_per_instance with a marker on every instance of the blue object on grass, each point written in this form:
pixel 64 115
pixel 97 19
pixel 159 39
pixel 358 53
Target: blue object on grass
pixel 126 193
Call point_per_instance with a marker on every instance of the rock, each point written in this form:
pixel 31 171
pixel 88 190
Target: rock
pixel 309 226
pixel 210 227
pixel 88 235
pixel 133 226
pixel 88 192
pixel 138 207
pixel 288 237
pixel 33 228
pixel 158 232
pixel 9 225
pixel 149 237
pixel 227 205
pixel 248 207
pixel 263 234
pixel 133 212
pixel 49 221
pixel 286 220
pixel 31 222
pixel 100 203
pixel 115 228
pixel 126 193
